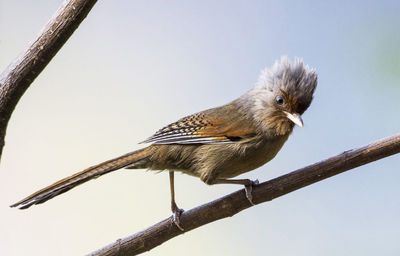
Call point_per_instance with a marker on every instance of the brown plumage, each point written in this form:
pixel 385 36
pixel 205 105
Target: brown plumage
pixel 219 143
pixel 95 171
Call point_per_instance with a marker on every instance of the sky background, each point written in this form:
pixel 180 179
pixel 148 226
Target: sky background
pixel 135 66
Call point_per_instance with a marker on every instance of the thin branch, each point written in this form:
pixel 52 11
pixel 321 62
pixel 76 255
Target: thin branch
pixel 20 74
pixel 231 204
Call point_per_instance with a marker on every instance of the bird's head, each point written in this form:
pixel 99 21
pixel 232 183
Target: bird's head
pixel 282 94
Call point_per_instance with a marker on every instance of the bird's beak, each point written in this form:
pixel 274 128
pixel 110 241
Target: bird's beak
pixel 295 118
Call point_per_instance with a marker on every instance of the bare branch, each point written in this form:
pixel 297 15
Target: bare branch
pixel 20 74
pixel 229 205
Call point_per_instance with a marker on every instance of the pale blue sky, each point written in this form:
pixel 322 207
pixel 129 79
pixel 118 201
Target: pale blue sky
pixel 134 66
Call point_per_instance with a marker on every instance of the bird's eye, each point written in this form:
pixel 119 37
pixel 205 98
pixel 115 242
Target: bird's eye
pixel 279 100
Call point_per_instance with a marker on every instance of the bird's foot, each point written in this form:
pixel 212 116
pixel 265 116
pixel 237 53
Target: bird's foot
pixel 249 190
pixel 176 216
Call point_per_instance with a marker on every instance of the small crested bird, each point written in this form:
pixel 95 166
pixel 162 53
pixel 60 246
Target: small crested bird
pixel 219 143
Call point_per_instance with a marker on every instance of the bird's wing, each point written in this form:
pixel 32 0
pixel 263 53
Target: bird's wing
pixel 200 128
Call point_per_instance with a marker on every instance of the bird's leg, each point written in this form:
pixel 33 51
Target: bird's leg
pixel 176 211
pixel 248 185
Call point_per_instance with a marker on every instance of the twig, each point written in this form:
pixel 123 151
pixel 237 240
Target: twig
pixel 229 205
pixel 20 74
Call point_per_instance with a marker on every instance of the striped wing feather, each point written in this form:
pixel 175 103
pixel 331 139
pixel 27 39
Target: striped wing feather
pixel 198 129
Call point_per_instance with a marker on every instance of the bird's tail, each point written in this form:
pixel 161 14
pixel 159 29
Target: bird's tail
pixel 138 159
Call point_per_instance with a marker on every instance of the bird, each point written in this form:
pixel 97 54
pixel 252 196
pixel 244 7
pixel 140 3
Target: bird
pixel 217 144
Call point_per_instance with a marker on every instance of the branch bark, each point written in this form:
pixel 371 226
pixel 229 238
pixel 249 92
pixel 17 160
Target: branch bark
pixel 20 74
pixel 231 204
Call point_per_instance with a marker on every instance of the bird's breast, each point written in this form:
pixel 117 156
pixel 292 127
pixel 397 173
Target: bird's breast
pixel 253 156
pixel 230 160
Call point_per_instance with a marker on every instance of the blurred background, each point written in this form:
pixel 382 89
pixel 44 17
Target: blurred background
pixel 134 66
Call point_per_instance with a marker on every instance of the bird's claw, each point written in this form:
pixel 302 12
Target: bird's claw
pixel 176 217
pixel 249 190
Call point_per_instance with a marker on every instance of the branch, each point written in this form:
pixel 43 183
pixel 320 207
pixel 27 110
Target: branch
pixel 20 74
pixel 231 204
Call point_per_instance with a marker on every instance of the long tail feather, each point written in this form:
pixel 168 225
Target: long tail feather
pixel 66 184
